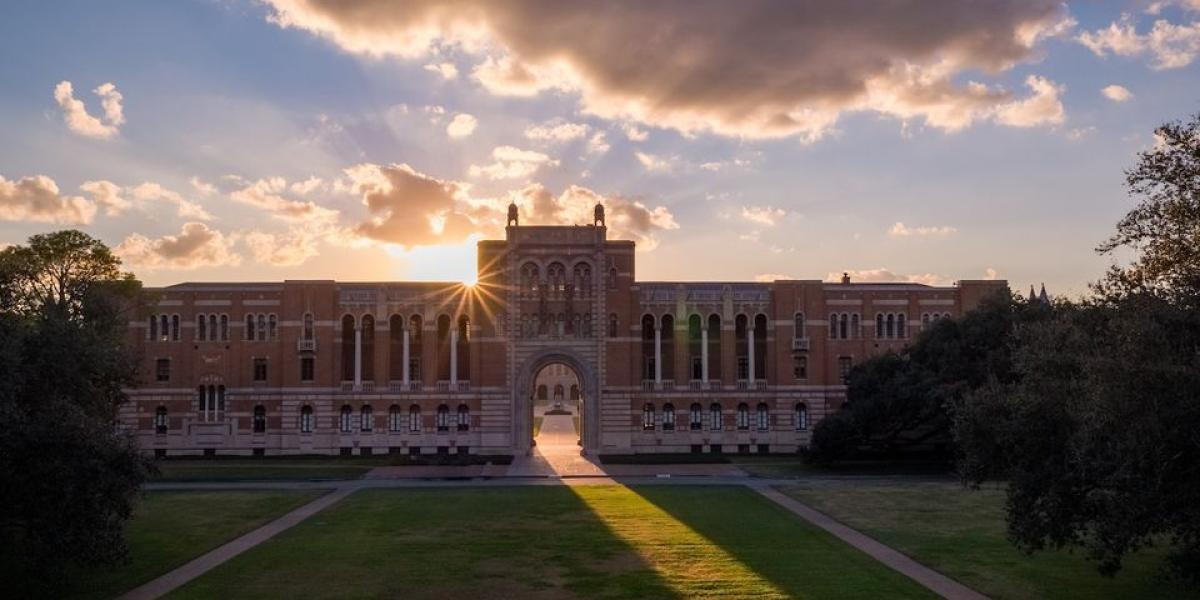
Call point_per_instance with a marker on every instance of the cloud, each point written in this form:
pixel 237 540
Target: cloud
pixel 409 208
pixel 1170 46
pixel 598 144
pixel 1078 133
pixel 282 249
pixel 882 275
pixel 763 215
pixel 37 199
pixel 107 196
pixel 752 69
pixel 557 131
pixel 1043 107
pixel 446 69
pixel 634 134
pixel 186 209
pixel 267 195
pixel 902 230
pixel 770 277
pixel 195 246
pixel 461 126
pixel 654 163
pixel 76 115
pixel 512 163
pixel 203 187
pixel 718 165
pixel 307 186
pixel 1116 93
pixel 989 274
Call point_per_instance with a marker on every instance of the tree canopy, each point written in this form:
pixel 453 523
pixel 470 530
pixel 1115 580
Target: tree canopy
pixel 68 475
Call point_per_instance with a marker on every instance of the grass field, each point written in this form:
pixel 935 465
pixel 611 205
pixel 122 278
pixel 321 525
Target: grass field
pixel 962 534
pixel 554 542
pixel 170 528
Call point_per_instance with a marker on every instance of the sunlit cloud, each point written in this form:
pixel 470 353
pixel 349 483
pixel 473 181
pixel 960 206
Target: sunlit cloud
pixel 1169 45
pixel 37 199
pixel 78 119
pixel 461 126
pixel 900 230
pixel 883 275
pixel 195 246
pixel 447 70
pixel 763 215
pixel 512 163
pixel 557 131
pixel 1116 93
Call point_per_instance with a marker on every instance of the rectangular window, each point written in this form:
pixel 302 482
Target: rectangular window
pixel 844 364
pixel 800 367
pixel 260 369
pixel 743 367
pixel 414 369
pixel 162 369
pixel 697 368
pixel 306 368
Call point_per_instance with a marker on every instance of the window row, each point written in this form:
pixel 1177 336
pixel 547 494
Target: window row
pixel 844 326
pixel 212 402
pixel 212 328
pixel 560 325
pixel 715 418
pixel 927 318
pixel 261 327
pixel 163 328
pixel 556 280
pixel 891 326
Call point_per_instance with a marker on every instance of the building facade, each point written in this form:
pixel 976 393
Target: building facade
pixel 326 367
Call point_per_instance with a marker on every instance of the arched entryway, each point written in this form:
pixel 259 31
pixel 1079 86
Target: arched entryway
pixel 524 397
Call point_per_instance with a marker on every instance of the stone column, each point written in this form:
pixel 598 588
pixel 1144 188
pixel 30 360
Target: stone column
pixel 657 355
pixel 453 356
pixel 404 367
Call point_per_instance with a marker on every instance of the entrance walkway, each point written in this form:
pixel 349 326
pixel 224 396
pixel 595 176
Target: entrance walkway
pixel 556 453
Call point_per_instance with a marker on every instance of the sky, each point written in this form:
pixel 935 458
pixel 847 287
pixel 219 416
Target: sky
pixel 925 140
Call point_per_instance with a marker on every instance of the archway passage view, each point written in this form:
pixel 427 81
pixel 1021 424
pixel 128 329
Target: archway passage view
pixel 557 406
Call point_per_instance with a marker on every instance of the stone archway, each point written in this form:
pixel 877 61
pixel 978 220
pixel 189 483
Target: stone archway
pixel 522 407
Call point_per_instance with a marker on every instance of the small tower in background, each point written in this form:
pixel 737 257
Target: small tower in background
pixel 513 215
pixel 598 219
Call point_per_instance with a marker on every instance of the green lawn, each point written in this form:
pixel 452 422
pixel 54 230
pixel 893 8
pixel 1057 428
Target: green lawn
pixel 554 542
pixel 962 534
pixel 170 528
pixel 263 469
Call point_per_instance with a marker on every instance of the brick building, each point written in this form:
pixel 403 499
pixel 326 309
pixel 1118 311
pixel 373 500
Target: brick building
pixel 422 368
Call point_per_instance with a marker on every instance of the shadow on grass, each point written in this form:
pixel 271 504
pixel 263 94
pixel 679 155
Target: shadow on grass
pixel 777 546
pixel 518 542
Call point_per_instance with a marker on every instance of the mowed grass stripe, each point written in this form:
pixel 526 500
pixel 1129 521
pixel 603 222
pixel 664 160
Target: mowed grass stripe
pixel 554 542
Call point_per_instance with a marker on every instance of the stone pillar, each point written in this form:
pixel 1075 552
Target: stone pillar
pixel 704 354
pixel 357 357
pixel 657 355
pixel 453 356
pixel 404 367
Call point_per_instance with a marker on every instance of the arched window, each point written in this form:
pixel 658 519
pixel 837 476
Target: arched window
pixel 152 332
pixel 543 392
pixel 161 422
pixel 583 279
pixel 212 328
pixel 464 417
pixel 648 417
pixel 414 348
pixel 249 327
pixel 306 419
pixel 347 418
pixel 668 421
pixel 844 326
pixel 261 329
pixel 308 331
pixel 368 348
pixel 762 416
pixel 574 392
pixel 760 347
pixel 164 328
pixel 648 347
pixel 880 332
pixel 901 326
pixel 529 277
pixel 201 328
pixel 348 326
pixel 891 326
pixel 260 419
pixel 556 277
pixel 272 327
pixel 801 417
pixel 743 416
pixel 414 418
pixel 395 421
pixel 741 347
pixel 443 347
pixel 612 325
pixel 224 328
pixel 560 392
pixel 695 418
pixel 612 278
pixel 798 329
pixel 855 328
pixel 464 348
pixel 714 416
pixel 714 347
pixel 924 320
pixel 443 418
pixel 366 418
pixel 833 326
pixel 174 328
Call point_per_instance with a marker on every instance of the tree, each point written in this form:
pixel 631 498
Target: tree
pixel 68 475
pixel 902 403
pixel 1097 431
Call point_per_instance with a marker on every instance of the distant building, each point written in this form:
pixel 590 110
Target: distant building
pixel 421 368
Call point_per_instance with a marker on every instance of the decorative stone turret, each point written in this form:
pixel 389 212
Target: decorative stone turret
pixel 599 218
pixel 513 215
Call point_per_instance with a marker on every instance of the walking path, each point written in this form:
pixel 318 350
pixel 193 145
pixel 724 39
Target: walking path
pixel 534 472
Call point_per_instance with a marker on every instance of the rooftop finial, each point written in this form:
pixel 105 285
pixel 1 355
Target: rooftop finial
pixel 513 215
pixel 845 277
